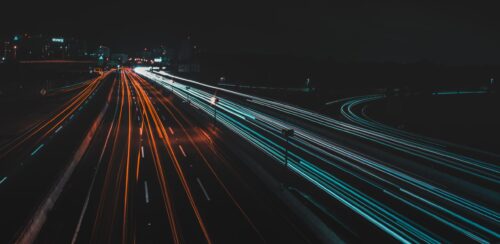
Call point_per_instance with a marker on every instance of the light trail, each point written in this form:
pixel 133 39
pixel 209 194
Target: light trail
pixel 99 162
pixel 316 158
pixel 55 120
pixel 181 122
pixel 152 113
pixel 127 167
pixel 113 173
pixel 347 110
pixel 461 163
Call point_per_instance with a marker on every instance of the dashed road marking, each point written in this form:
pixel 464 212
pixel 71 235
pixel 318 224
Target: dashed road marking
pixel 146 192
pixel 182 150
pixel 203 188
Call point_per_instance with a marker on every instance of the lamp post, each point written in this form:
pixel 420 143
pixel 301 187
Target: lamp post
pixel 214 100
pixel 287 133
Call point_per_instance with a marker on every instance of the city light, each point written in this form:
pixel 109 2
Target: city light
pixel 58 40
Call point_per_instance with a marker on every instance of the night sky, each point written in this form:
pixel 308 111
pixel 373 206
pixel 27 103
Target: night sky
pixel 448 32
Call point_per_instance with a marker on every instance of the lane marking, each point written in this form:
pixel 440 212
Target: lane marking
pixel 4 179
pixel 37 149
pixel 203 188
pixel 163 118
pixel 58 129
pixel 142 151
pixel 182 150
pixel 146 192
pixel 171 131
pixel 140 131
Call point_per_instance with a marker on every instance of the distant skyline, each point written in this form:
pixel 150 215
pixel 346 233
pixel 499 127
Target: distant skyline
pixel 387 31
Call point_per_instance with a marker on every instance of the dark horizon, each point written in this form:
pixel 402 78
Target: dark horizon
pixel 439 32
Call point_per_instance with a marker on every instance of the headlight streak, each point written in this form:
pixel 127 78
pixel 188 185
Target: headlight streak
pixel 234 117
pixel 153 115
pixel 68 109
pixel 401 176
pixel 473 167
pixel 170 108
pixel 347 111
pixel 40 134
pixel 305 138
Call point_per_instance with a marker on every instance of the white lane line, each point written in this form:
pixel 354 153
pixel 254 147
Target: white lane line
pixel 37 149
pixel 146 192
pixel 203 188
pixel 58 129
pixel 182 150
pixel 170 129
pixel 4 179
pixel 142 151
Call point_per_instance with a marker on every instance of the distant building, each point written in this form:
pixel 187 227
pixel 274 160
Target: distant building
pixel 145 55
pixel 119 58
pixel 188 57
pixel 186 51
pixel 103 52
pixel 171 55
pixel 40 47
pixel 163 56
pixel 6 51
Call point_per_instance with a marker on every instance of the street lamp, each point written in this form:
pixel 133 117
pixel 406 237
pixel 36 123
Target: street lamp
pixel 213 101
pixel 287 133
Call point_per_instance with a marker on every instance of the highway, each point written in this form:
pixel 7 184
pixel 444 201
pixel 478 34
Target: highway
pixel 409 190
pixel 152 174
pixel 34 159
pixel 143 156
